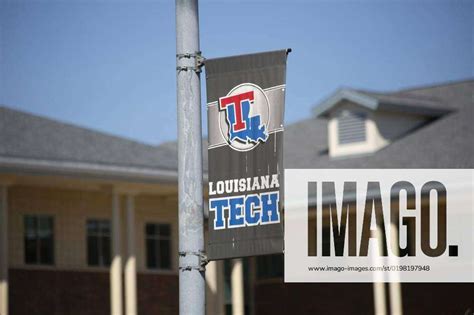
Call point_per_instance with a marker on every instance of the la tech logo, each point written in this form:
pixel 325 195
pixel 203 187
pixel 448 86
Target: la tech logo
pixel 244 117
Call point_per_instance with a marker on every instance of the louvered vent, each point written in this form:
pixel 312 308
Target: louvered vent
pixel 351 127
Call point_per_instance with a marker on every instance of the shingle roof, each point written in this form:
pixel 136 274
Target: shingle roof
pixel 444 143
pixel 400 102
pixel 24 135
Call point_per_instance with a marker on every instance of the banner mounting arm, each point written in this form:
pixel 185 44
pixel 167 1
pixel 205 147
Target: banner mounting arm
pixel 198 61
pixel 203 261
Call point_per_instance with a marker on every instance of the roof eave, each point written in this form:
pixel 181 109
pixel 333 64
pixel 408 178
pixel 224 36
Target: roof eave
pixel 20 165
pixel 372 103
pixel 324 108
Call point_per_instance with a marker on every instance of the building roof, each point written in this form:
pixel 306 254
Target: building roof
pixel 400 102
pixel 29 141
pixel 445 142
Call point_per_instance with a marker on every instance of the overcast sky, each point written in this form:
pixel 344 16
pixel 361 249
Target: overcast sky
pixel 110 65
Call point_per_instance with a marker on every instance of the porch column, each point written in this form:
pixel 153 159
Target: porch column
pixel 252 280
pixel 379 298
pixel 211 288
pixel 215 288
pixel 3 250
pixel 131 263
pixel 220 287
pixel 116 266
pixel 237 287
pixel 395 287
pixel 380 301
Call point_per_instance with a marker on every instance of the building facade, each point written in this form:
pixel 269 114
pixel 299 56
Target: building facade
pixel 88 221
pixel 76 247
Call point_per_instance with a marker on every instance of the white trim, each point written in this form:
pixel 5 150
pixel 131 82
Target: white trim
pixel 343 94
pixel 87 169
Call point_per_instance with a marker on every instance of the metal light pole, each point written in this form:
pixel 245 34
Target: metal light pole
pixel 191 235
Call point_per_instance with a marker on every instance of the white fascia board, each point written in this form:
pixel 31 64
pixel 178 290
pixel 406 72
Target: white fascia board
pixel 344 94
pixel 38 166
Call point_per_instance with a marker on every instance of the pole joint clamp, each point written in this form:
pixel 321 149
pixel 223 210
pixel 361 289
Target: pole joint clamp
pixel 199 61
pixel 203 261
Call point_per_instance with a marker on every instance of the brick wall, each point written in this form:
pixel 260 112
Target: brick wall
pixel 438 298
pixel 48 292
pixel 157 294
pixel 352 298
pixel 54 292
pixel 276 298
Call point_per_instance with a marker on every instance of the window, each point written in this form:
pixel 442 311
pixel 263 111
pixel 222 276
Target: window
pixel 98 242
pixel 351 127
pixel 158 246
pixel 39 239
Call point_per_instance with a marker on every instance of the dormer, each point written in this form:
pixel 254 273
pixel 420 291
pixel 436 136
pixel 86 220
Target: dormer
pixel 362 122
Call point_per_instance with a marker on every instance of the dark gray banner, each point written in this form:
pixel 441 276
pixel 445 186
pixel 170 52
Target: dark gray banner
pixel 245 103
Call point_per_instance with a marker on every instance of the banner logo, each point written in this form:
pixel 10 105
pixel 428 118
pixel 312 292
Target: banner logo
pixel 244 116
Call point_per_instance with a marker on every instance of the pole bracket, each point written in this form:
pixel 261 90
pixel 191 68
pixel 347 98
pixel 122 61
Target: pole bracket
pixel 199 61
pixel 203 261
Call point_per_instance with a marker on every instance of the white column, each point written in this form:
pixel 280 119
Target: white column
pixel 116 266
pixel 3 251
pixel 131 264
pixel 220 287
pixel 215 288
pixel 252 280
pixel 211 288
pixel 395 288
pixel 380 301
pixel 237 287
pixel 379 298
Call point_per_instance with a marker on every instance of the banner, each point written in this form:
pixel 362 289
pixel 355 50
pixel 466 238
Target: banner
pixel 245 106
